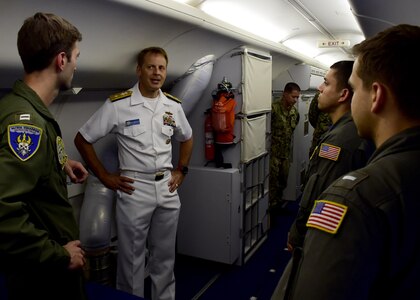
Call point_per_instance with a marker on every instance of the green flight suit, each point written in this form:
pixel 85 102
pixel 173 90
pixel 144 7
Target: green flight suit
pixel 371 249
pixel 283 124
pixel 339 151
pixel 36 218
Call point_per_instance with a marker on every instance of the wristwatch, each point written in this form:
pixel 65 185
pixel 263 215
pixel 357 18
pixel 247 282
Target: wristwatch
pixel 183 169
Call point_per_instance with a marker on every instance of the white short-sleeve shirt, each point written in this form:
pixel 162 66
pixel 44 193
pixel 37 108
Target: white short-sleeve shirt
pixel 143 134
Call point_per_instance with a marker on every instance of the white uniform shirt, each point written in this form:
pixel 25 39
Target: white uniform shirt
pixel 143 134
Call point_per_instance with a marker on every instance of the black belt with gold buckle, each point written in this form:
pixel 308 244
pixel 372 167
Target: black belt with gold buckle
pixel 159 176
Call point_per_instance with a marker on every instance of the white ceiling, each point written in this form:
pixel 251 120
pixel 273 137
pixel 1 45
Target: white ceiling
pixel 299 25
pixel 115 30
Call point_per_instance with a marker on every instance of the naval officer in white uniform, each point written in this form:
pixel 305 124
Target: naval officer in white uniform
pixel 145 121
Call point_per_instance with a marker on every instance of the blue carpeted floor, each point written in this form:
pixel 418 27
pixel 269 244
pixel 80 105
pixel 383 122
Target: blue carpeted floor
pixel 259 276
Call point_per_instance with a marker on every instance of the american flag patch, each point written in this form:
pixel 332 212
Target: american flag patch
pixel 327 216
pixel 329 151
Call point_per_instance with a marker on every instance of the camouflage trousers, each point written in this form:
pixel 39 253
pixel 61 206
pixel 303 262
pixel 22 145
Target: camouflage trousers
pixel 279 171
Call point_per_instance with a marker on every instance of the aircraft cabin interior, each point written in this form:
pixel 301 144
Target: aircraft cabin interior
pixel 251 49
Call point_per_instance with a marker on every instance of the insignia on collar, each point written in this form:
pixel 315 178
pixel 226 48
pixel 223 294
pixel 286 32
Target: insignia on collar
pixel 120 95
pixel 329 151
pixel 172 97
pixel 61 152
pixel 327 216
pixel 24 140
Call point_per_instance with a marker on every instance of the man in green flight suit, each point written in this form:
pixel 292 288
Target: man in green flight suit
pixel 39 249
pixel 339 151
pixel 284 119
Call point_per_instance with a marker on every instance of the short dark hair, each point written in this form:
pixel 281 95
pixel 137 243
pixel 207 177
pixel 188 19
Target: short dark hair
pixel 42 37
pixel 391 58
pixel 154 50
pixel 343 71
pixel 291 86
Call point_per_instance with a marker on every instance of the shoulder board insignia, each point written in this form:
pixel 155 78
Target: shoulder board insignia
pixel 120 95
pixel 327 216
pixel 169 96
pixel 24 140
pixel 329 151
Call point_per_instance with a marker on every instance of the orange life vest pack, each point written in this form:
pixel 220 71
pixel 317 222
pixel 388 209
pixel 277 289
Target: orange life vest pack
pixel 223 117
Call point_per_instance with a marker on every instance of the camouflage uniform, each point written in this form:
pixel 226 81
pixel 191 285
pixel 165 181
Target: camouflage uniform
pixel 283 123
pixel 320 121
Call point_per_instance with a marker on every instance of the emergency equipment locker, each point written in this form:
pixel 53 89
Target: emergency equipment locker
pixel 224 214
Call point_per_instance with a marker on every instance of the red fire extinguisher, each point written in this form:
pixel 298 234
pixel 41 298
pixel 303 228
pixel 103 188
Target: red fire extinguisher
pixel 209 137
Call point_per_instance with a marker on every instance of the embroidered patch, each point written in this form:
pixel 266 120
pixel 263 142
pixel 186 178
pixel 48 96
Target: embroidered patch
pixel 24 140
pixel 132 122
pixel 61 152
pixel 168 119
pixel 25 117
pixel 329 151
pixel 327 216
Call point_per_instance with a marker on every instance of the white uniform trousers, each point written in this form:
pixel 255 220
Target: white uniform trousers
pixel 150 213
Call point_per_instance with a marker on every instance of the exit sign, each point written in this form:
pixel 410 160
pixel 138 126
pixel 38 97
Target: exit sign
pixel 333 43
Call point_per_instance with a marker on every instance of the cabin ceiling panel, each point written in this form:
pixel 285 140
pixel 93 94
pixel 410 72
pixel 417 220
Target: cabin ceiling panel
pixel 375 15
pixel 112 36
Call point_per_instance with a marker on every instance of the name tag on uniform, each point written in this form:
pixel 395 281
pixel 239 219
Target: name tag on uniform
pixel 132 122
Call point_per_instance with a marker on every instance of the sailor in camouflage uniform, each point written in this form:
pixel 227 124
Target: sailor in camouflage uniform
pixel 284 119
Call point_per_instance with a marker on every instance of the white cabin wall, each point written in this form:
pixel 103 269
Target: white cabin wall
pixel 71 112
pixel 112 37
pixel 299 74
pixel 223 67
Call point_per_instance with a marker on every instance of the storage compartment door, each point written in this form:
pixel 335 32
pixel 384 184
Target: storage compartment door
pixel 256 78
pixel 253 137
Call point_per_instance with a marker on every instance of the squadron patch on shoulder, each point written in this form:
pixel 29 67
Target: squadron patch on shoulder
pixel 327 216
pixel 120 95
pixel 61 152
pixel 172 97
pixel 24 140
pixel 329 151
